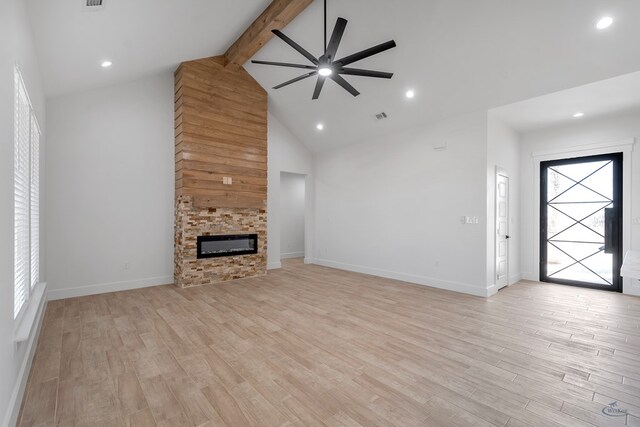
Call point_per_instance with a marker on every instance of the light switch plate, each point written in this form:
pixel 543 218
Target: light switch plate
pixel 469 219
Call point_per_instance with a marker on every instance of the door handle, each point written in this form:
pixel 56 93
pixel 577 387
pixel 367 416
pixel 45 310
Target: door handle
pixel 610 231
pixel 506 237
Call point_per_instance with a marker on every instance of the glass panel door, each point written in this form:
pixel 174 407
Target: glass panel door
pixel 581 220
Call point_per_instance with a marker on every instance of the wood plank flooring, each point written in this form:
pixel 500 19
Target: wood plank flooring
pixel 312 346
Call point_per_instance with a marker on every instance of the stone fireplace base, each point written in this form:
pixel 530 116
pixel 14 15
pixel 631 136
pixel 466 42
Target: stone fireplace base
pixel 192 222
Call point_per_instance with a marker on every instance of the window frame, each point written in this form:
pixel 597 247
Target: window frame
pixel 30 209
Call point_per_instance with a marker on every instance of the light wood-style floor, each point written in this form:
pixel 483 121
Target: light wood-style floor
pixel 307 346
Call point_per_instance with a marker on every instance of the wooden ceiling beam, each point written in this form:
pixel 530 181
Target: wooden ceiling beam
pixel 275 17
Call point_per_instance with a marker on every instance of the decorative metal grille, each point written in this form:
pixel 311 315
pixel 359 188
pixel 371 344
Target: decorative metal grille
pixel 577 196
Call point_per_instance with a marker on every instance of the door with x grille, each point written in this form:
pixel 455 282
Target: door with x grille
pixel 581 221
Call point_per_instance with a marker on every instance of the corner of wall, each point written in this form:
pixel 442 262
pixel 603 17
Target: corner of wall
pixel 286 153
pixel 503 152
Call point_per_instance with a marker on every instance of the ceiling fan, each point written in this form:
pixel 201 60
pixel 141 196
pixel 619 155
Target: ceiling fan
pixel 327 65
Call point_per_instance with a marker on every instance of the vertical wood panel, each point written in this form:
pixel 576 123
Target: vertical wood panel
pixel 220 131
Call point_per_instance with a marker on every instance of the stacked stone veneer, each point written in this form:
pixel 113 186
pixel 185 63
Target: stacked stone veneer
pixel 192 222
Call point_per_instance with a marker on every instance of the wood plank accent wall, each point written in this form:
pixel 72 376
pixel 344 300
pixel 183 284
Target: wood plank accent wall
pixel 221 131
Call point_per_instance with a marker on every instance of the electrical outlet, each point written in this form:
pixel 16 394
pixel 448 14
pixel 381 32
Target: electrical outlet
pixel 126 265
pixel 636 220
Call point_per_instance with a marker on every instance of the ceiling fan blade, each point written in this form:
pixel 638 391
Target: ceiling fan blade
pixel 364 73
pixel 285 64
pixel 297 79
pixel 345 84
pixel 319 84
pixel 336 37
pixel 365 53
pixel 296 46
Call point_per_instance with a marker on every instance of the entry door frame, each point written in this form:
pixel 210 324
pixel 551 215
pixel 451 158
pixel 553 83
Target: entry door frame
pixel 501 284
pixel 618 187
pixel 625 147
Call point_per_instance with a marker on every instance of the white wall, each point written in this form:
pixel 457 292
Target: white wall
pixel 286 154
pixel 392 206
pixel 16 46
pixel 292 203
pixel 581 139
pixel 110 183
pixel 503 152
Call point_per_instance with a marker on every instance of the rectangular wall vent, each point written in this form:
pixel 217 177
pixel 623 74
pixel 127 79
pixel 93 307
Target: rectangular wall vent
pixel 381 116
pixel 92 5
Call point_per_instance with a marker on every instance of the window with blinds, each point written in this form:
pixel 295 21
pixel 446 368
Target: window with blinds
pixel 26 196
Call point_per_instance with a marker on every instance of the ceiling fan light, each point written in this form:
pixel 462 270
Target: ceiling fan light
pixel 604 23
pixel 325 71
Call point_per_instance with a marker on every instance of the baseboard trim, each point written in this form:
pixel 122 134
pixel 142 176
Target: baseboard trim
pixel 13 410
pixel 308 260
pixel 411 278
pixel 103 288
pixel 292 255
pixel 515 278
pixel 274 265
pixel 529 276
pixel 492 290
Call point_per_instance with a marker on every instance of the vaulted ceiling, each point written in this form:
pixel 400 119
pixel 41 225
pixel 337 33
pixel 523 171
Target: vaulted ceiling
pixel 140 37
pixel 458 55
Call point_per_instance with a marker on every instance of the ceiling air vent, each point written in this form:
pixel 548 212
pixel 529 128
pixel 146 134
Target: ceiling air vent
pixel 92 5
pixel 381 116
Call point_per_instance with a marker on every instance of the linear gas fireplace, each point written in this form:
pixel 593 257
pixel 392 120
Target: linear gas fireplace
pixel 227 245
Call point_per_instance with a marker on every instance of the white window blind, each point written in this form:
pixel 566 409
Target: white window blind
pixel 34 209
pixel 26 196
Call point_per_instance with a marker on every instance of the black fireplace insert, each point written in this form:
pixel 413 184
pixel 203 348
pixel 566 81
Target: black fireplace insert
pixel 227 245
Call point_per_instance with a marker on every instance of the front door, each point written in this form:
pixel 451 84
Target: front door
pixel 581 221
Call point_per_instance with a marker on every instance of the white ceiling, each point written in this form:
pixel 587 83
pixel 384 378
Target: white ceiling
pixel 594 100
pixel 140 37
pixel 459 55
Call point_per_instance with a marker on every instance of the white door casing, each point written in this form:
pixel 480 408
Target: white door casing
pixel 502 230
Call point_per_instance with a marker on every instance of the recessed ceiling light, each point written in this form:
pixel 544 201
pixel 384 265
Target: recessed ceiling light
pixel 410 94
pixel 578 115
pixel 106 64
pixel 604 22
pixel 325 71
pixel 319 126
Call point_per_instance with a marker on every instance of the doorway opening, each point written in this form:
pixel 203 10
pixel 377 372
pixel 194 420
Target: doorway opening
pixel 292 215
pixel 581 221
